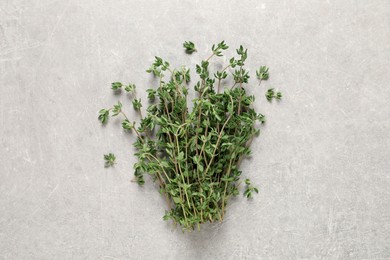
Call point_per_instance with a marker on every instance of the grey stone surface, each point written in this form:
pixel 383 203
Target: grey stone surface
pixel 322 161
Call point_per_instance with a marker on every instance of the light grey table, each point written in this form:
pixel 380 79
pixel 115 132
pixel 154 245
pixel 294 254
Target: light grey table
pixel 322 162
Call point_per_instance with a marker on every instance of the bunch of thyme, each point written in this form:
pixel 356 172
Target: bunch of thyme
pixel 194 156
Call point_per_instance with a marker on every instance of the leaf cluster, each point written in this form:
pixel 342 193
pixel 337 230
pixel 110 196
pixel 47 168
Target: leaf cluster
pixel 189 47
pixel 272 94
pixel 109 160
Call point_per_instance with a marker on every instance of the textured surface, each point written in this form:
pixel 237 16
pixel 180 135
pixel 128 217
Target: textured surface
pixel 322 161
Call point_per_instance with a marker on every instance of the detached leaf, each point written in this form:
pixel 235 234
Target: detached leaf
pixel 103 116
pixel 116 85
pixel 189 46
pixel 109 160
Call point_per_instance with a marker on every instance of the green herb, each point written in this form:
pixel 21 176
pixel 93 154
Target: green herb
pixel 262 73
pixel 151 94
pixel 271 94
pixel 116 85
pixel 137 104
pixel 249 189
pixel 130 88
pixel 189 46
pixel 103 115
pixel 117 109
pixel 194 154
pixel 127 125
pixel 109 160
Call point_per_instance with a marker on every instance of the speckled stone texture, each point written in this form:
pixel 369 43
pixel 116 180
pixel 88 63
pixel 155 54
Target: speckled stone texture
pixel 322 162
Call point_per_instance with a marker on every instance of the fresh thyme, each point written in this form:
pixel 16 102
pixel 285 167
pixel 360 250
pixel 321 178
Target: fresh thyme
pixel 271 94
pixel 109 160
pixel 194 155
pixel 189 46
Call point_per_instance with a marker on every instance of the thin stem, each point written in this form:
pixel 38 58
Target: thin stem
pixel 162 183
pixel 134 129
pixel 219 79
pixel 226 68
pixel 260 80
pixel 203 146
pixel 210 56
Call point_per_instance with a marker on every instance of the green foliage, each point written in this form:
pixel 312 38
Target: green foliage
pixel 151 94
pixel 116 85
pixel 103 115
pixel 262 73
pixel 117 109
pixel 194 154
pixel 189 46
pixel 271 94
pixel 109 160
pixel 221 74
pixel 130 88
pixel 217 50
pixel 249 189
pixel 127 125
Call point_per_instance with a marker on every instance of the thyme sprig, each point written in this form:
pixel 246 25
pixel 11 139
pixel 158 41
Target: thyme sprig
pixel 109 160
pixel 194 155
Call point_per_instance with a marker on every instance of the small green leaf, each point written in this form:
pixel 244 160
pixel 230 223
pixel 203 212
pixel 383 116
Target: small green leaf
pixel 130 88
pixel 116 85
pixel 127 125
pixel 103 116
pixel 189 46
pixel 177 200
pixel 180 156
pixel 151 94
pixel 137 104
pixel 117 109
pixel 109 160
pixel 262 73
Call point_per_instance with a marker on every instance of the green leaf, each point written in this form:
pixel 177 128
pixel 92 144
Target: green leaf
pixel 117 109
pixel 137 104
pixel 278 96
pixel 200 167
pixel 116 85
pixel 262 73
pixel 127 125
pixel 109 160
pixel 151 94
pixel 130 88
pixel 177 200
pixel 103 116
pixel 180 156
pixel 189 46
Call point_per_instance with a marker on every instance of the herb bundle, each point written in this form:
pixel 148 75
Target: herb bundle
pixel 194 155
